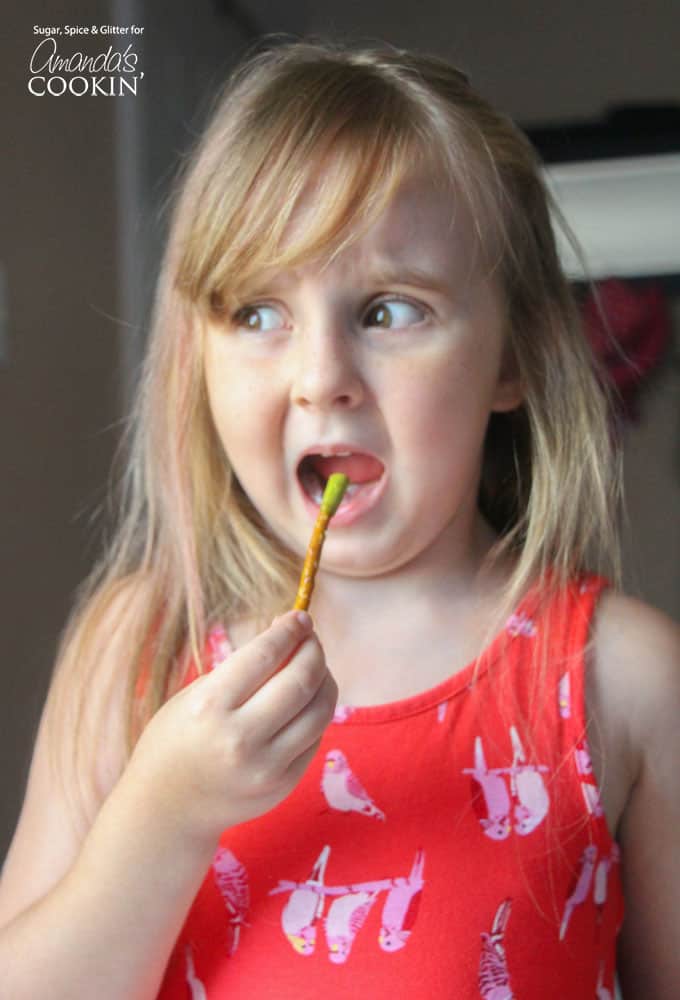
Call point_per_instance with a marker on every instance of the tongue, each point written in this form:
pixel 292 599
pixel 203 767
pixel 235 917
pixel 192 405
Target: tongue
pixel 358 468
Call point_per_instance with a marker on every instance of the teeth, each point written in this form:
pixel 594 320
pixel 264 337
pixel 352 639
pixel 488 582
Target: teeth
pixel 335 454
pixel 316 493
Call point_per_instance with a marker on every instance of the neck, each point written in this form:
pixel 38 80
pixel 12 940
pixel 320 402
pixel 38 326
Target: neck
pixel 448 575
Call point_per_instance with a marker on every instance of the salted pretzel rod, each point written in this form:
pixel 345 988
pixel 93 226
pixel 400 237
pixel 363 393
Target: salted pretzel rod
pixel 332 495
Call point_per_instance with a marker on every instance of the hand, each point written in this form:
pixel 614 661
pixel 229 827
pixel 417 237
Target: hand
pixel 235 743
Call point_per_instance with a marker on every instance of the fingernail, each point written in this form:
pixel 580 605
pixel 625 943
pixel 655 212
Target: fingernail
pixel 304 618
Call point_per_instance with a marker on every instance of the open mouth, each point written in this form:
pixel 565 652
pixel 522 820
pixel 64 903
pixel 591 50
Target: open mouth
pixel 363 471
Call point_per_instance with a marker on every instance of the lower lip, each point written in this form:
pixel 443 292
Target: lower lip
pixel 352 508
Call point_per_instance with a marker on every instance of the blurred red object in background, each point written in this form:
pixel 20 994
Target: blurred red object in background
pixel 629 328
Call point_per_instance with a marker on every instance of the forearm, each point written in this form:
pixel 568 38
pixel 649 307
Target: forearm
pixel 107 929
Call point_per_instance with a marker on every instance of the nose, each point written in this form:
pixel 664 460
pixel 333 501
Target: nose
pixel 327 373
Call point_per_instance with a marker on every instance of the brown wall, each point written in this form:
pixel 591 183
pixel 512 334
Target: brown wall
pixel 58 385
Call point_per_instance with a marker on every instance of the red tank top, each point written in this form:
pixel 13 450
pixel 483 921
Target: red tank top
pixel 432 848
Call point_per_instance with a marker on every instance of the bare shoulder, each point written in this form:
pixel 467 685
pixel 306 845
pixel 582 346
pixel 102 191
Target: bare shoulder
pixel 633 693
pixel 635 680
pixel 55 815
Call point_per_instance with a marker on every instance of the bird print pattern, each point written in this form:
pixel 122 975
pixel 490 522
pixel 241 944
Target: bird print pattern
pixel 580 887
pixel 231 879
pixel 564 696
pixel 343 790
pixel 219 647
pixel 401 907
pixel 584 766
pixel 360 885
pixel 508 798
pixel 490 795
pixel 348 909
pixel 304 909
pixel 519 624
pixel 531 801
pixel 197 989
pixel 346 917
pixel 602 992
pixel 494 980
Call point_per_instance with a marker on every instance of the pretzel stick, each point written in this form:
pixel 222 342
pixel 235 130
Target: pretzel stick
pixel 332 495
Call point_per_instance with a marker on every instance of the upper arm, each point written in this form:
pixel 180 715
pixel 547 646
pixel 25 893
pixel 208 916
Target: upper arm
pixel 53 823
pixel 639 651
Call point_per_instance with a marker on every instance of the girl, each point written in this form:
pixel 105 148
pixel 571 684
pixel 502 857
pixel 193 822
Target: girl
pixel 443 786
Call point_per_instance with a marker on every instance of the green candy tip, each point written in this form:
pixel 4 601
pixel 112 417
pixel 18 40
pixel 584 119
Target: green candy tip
pixel 334 492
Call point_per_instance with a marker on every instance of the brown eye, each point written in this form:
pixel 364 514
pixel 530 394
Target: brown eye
pixel 394 314
pixel 259 319
pixel 379 316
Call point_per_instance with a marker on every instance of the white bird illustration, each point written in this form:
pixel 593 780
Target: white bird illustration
pixel 304 908
pixel 198 991
pixel 401 907
pixel 346 917
pixel 530 796
pixel 490 798
pixel 580 887
pixel 601 991
pixel 342 788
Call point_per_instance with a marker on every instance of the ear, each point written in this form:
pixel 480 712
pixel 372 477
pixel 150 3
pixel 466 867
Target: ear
pixel 509 393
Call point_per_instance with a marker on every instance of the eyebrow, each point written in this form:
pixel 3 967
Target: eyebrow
pixel 380 271
pixel 406 273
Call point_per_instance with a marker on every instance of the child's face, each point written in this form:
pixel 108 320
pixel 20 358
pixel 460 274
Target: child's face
pixel 394 350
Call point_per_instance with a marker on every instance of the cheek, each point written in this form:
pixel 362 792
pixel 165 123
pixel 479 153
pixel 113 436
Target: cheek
pixel 236 396
pixel 443 411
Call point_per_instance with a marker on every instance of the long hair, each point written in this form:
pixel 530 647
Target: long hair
pixel 190 547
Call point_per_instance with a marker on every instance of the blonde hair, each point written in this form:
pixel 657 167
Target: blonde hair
pixel 190 547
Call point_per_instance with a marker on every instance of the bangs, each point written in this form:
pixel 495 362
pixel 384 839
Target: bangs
pixel 347 149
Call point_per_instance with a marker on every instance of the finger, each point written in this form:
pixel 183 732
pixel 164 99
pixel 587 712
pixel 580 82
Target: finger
pixel 287 693
pixel 249 667
pixel 297 768
pixel 309 725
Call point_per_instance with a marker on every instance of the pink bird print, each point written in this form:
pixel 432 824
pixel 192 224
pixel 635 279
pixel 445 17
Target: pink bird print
pixel 401 907
pixel 580 888
pixel 601 991
pixel 520 624
pixel 232 881
pixel 530 796
pixel 198 991
pixel 304 908
pixel 584 766
pixel 494 980
pixel 219 647
pixel 564 696
pixel 346 917
pixel 490 796
pixel 342 713
pixel 601 880
pixel 441 710
pixel 342 788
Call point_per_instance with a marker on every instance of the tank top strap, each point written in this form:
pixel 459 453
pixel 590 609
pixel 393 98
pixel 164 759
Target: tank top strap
pixel 569 619
pixel 545 646
pixel 551 679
